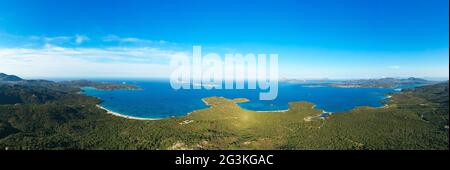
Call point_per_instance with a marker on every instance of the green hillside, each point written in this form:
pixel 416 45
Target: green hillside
pixel 46 117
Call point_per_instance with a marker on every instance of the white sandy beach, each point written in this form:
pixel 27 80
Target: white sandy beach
pixel 124 116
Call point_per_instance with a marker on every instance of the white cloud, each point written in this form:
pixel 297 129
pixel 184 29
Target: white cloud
pixel 115 38
pixel 60 40
pixel 396 67
pixel 80 39
pixel 55 61
pixel 57 39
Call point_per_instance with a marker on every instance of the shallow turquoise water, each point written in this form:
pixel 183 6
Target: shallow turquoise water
pixel 159 100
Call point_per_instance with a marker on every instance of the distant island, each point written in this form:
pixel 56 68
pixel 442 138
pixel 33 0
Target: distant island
pixel 100 85
pixel 40 114
pixel 368 83
pixel 383 83
pixel 15 80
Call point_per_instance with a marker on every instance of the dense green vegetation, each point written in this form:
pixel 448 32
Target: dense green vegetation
pixel 48 115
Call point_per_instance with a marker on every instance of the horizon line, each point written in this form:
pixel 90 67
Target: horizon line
pixel 168 78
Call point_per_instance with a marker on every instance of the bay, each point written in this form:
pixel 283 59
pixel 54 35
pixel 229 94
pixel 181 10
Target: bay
pixel 159 100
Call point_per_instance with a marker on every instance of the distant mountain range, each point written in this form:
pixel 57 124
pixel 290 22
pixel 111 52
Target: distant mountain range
pixel 384 83
pixel 5 77
pixel 367 83
pixel 64 85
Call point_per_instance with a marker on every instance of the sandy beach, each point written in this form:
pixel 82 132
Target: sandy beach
pixel 124 116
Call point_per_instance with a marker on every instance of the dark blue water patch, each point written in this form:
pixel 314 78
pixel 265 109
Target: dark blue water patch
pixel 159 100
pixel 331 99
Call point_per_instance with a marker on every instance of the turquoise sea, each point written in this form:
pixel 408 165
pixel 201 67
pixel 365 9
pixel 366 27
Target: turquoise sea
pixel 159 100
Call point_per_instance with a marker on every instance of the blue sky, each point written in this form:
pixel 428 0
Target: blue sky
pixel 314 39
